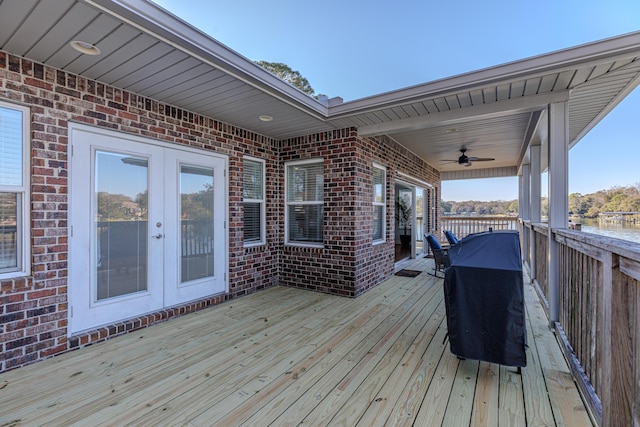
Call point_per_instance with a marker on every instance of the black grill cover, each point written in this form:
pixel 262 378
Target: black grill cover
pixel 484 299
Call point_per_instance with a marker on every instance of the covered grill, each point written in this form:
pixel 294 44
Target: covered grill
pixel 484 299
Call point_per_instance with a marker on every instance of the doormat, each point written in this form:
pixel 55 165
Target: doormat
pixel 408 273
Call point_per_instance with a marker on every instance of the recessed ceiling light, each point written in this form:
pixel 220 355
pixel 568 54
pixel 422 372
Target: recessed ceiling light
pixel 84 47
pixel 265 118
pixel 451 130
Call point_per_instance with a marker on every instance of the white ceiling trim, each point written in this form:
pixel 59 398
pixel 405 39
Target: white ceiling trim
pixel 411 179
pixel 469 173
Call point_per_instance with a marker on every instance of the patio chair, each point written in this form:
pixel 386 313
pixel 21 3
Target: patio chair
pixel 451 238
pixel 440 256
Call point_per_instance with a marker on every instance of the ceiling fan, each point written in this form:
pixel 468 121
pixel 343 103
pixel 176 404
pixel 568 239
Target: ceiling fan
pixel 465 160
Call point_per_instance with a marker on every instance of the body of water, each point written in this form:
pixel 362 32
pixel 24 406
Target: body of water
pixel 620 231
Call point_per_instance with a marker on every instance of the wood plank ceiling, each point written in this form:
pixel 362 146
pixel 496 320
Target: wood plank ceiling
pixel 495 112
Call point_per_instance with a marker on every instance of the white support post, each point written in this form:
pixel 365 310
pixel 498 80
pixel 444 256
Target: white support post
pixel 535 205
pixel 536 184
pixel 414 222
pixel 558 196
pixel 520 204
pixel 525 188
pixel 524 206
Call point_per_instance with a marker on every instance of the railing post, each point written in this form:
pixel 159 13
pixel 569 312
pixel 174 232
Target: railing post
pixel 606 371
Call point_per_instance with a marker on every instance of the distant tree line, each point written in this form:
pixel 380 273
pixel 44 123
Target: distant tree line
pixel 616 199
pixel 473 207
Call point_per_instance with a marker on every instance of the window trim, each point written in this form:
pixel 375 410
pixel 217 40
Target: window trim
pixel 23 216
pixel 287 240
pixel 262 202
pixel 383 203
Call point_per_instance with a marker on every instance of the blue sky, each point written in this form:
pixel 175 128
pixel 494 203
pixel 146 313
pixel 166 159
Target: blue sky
pixel 358 48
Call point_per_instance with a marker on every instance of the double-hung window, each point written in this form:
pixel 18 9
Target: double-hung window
pixel 304 207
pixel 379 203
pixel 253 199
pixel 14 191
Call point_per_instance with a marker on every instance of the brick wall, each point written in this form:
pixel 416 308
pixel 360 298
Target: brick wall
pixel 33 310
pixel 330 269
pixel 348 263
pixel 376 262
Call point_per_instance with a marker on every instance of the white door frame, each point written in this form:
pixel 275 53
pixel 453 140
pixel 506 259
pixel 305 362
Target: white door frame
pixel 83 141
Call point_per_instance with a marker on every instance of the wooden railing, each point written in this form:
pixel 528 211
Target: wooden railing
pixel 463 226
pixel 540 237
pixel 116 238
pixel 599 310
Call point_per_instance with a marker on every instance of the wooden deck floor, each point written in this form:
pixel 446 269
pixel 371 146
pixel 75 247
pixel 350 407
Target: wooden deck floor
pixel 287 357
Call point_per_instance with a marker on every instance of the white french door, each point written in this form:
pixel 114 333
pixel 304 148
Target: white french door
pixel 195 246
pixel 147 226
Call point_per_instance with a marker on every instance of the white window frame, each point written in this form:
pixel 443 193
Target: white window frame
pixel 287 204
pixel 383 203
pixel 23 219
pixel 261 202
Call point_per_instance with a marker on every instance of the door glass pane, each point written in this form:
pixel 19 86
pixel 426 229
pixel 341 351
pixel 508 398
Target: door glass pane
pixel 121 192
pixel 8 231
pixel 196 215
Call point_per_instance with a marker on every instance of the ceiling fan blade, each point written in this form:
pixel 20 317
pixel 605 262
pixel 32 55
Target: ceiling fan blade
pixel 480 159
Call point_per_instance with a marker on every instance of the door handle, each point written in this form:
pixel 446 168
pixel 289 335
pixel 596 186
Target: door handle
pixel 158 236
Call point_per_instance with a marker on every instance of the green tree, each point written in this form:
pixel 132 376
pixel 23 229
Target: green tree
pixel 630 204
pixel 113 206
pixel 142 199
pixel 198 205
pixel 294 78
pixel 579 204
pixel 544 206
pixel 446 207
pixel 616 199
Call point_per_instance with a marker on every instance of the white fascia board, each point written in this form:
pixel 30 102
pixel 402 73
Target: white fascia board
pixel 607 50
